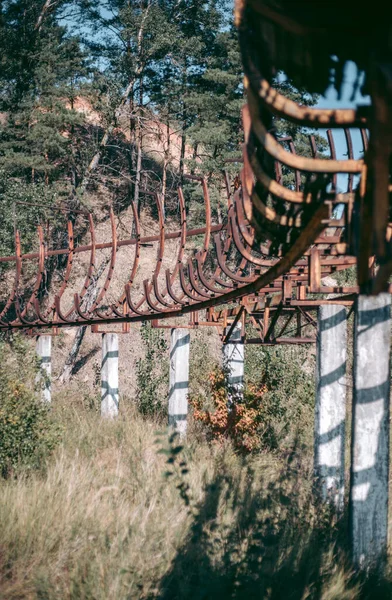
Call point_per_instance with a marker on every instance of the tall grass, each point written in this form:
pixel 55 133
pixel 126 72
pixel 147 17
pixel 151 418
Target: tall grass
pixel 103 521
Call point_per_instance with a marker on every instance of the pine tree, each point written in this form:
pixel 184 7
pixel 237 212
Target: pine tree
pixel 43 72
pixel 197 89
pixel 217 105
pixel 136 36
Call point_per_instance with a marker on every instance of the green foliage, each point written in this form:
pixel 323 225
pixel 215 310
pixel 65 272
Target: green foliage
pixel 43 70
pixel 288 376
pixel 152 372
pixel 22 208
pixel 347 277
pixel 200 355
pixel 103 522
pixel 28 434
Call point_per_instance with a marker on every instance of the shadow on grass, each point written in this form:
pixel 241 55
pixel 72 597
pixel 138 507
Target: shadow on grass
pixel 261 535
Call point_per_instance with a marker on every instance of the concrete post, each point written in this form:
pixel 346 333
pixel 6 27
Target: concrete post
pixel 109 375
pixel 330 410
pixel 179 379
pixel 233 358
pixel 370 431
pixel 43 379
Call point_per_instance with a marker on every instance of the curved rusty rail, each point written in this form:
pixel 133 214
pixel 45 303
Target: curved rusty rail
pixel 279 235
pixel 285 39
pixel 228 267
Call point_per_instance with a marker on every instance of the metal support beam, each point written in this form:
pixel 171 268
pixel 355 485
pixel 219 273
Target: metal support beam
pixel 179 379
pixel 233 359
pixel 229 330
pixel 109 375
pixel 370 431
pixel 330 413
pixel 43 379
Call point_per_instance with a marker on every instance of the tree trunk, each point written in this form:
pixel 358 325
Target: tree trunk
pixel 183 132
pixel 132 136
pixel 136 196
pixel 166 158
pixel 45 9
pixel 139 139
pixel 88 301
pixel 195 148
pixel 164 178
pixel 97 157
pixel 182 155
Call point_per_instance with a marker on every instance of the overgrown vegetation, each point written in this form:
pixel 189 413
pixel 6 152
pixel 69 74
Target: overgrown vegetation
pixel 28 434
pixel 104 522
pixel 287 373
pixel 152 373
pixel 277 403
pixel 123 510
pixel 232 416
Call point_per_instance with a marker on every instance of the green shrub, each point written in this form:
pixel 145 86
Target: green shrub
pixel 202 361
pixel 34 197
pixel 27 432
pixel 152 372
pixel 287 373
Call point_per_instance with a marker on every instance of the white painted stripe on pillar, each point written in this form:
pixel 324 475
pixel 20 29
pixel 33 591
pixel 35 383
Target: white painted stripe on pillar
pixel 330 410
pixel 109 375
pixel 179 379
pixel 43 379
pixel 370 431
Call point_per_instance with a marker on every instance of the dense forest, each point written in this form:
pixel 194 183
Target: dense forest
pixel 131 94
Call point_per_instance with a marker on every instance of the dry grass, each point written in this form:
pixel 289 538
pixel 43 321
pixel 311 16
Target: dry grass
pixel 104 522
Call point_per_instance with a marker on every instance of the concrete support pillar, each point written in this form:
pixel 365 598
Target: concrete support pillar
pixel 330 410
pixel 233 359
pixel 179 379
pixel 43 379
pixel 109 375
pixel 370 431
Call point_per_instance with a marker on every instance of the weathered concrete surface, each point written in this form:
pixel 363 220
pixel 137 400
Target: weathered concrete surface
pixel 43 379
pixel 109 375
pixel 179 379
pixel 330 410
pixel 233 359
pixel 370 432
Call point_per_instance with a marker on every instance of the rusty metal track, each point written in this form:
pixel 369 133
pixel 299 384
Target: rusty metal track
pixel 191 285
pixel 267 262
pixel 300 39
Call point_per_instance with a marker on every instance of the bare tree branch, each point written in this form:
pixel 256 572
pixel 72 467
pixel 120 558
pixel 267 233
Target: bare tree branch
pixel 49 4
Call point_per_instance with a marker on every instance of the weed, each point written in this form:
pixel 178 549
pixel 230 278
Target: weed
pixel 152 372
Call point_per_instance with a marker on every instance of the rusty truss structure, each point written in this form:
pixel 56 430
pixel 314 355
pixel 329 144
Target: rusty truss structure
pixel 312 46
pixel 269 260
